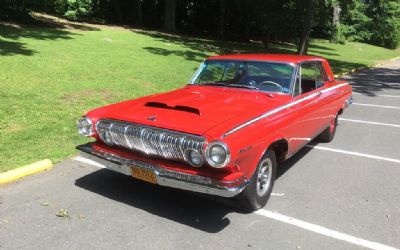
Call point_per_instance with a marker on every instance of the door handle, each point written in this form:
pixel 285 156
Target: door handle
pixel 318 93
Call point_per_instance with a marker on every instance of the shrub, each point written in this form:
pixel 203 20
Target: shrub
pixel 74 9
pixel 386 25
pixel 338 34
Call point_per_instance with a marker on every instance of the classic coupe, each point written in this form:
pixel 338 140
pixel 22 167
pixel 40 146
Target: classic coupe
pixel 225 132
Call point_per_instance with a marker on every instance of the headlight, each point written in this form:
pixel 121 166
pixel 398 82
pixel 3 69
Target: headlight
pixel 108 138
pixel 85 126
pixel 217 154
pixel 194 158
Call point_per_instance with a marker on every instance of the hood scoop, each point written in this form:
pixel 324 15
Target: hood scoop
pixel 178 107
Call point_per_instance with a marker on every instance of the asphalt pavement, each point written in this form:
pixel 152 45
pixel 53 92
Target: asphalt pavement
pixel 339 195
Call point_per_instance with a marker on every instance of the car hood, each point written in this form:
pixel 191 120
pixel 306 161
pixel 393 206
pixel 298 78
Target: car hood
pixel 193 109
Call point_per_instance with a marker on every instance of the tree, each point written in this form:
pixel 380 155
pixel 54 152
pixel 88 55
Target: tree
pixel 15 10
pixel 137 12
pixel 169 16
pixel 385 27
pixel 222 10
pixel 303 44
pixel 118 10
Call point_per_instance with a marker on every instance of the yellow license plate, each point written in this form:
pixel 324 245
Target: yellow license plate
pixel 144 174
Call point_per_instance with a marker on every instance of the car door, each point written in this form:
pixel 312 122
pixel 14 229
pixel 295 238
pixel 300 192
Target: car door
pixel 326 108
pixel 308 118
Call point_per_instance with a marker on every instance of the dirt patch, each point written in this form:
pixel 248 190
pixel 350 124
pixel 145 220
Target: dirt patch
pixel 148 84
pixel 79 97
pixel 58 22
pixel 14 128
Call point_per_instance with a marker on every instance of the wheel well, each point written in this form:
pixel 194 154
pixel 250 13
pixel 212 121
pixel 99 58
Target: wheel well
pixel 280 148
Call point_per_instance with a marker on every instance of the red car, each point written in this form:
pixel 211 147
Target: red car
pixel 225 132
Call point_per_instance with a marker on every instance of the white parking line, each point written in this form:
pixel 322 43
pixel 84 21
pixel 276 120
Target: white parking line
pixel 392 96
pixel 374 105
pixel 323 230
pixel 355 153
pixel 369 122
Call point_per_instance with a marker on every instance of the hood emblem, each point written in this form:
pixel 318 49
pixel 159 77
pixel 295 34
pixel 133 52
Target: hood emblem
pixel 152 118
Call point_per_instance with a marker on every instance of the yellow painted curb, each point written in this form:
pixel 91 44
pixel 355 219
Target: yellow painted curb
pixel 18 173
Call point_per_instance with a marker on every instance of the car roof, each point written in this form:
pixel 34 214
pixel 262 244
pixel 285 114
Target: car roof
pixel 286 58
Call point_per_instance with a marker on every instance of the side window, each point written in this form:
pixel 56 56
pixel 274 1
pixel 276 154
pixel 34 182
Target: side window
pixel 323 75
pixel 309 78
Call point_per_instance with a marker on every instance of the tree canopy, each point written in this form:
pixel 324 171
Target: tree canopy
pixel 371 21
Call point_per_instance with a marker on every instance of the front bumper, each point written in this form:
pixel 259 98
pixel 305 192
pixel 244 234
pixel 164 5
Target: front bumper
pixel 165 177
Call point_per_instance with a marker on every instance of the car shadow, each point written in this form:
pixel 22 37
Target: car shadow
pixel 203 212
pixel 289 163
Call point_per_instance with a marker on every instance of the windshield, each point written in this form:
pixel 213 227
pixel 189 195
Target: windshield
pixel 257 75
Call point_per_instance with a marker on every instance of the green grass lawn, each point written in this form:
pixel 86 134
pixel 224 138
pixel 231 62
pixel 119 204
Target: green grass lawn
pixel 50 76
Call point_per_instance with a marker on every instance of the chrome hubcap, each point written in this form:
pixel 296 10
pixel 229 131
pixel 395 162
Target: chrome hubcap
pixel 264 177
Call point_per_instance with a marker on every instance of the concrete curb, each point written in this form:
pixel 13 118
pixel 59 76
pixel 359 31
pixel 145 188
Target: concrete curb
pixel 30 169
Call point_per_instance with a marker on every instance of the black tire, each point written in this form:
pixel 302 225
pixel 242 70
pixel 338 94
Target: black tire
pixel 250 198
pixel 329 133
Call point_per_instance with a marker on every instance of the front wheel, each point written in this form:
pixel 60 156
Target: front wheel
pixel 257 193
pixel 329 133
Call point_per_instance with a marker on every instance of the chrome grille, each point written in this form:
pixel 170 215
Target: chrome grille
pixel 149 140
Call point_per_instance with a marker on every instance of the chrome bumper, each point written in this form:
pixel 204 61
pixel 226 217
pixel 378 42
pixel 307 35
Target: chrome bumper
pixel 164 177
pixel 348 102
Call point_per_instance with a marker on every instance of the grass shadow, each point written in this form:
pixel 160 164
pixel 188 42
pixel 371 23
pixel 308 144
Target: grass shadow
pixel 319 47
pixel 199 47
pixel 8 48
pixel 340 66
pixel 188 55
pixel 10 36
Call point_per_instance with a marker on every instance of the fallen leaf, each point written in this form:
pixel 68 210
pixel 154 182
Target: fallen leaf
pixel 45 204
pixel 63 213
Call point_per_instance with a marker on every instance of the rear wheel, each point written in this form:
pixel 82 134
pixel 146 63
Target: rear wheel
pixel 329 133
pixel 257 193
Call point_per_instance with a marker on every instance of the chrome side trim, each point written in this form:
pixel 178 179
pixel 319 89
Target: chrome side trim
pixel 283 107
pixel 169 178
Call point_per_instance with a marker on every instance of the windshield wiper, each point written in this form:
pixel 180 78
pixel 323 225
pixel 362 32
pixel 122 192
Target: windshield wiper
pixel 242 86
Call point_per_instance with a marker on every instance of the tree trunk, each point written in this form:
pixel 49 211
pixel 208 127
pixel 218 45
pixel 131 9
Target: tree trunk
pixel 118 11
pixel 169 16
pixel 303 45
pixel 137 12
pixel 222 11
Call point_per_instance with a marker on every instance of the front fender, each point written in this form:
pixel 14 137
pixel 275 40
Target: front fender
pixel 247 151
